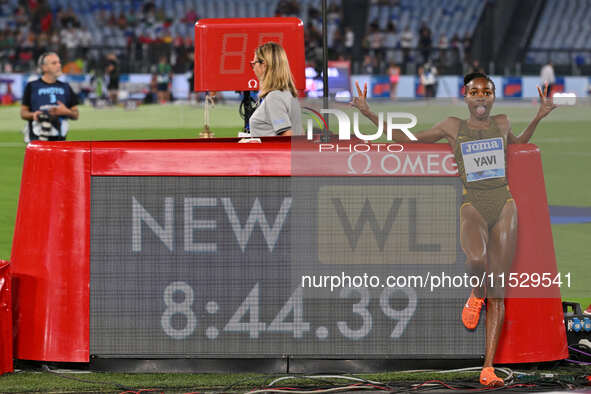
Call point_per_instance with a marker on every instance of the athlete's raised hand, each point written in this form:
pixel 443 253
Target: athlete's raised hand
pixel 546 104
pixel 360 102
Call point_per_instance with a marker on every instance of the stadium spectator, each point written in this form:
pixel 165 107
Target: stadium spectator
pixel 189 43
pixel 47 103
pixel 152 94
pixel 457 47
pixel 191 80
pixel 26 42
pixel 42 45
pixel 313 39
pixel 369 65
pixel 112 71
pixel 467 47
pixel 7 98
pixel 278 112
pixel 54 42
pixel 8 45
pixel 349 42
pixel 164 79
pixel 428 76
pixel 121 22
pixel 69 39
pixel 425 41
pixel 287 8
pixel 84 41
pixel 394 74
pixel 455 41
pixel 475 67
pixel 40 17
pixel 190 17
pixel 103 17
pixel 144 31
pixel 149 12
pixel 390 41
pixel 314 16
pixel 160 15
pixel 547 76
pixel 338 45
pixel 421 88
pixel 20 16
pixel 375 43
pixel 443 46
pixel 406 42
pixel 180 55
pixel 333 13
pixel 67 18
pixel 314 36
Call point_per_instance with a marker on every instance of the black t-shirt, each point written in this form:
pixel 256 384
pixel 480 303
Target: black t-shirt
pixel 42 96
pixel 113 65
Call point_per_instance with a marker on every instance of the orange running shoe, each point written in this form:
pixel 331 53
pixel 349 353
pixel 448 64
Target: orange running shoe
pixel 488 378
pixel 471 311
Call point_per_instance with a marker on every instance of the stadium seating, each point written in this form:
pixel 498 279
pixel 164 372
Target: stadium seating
pixel 7 14
pixel 446 16
pixel 560 22
pixel 563 22
pixel 89 11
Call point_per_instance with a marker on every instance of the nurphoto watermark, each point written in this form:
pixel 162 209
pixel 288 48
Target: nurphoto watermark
pixel 344 125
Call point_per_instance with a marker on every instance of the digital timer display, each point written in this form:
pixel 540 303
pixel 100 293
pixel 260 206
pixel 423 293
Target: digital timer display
pixel 213 266
pixel 225 47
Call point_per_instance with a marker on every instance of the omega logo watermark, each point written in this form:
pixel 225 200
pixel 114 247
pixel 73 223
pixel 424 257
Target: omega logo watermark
pixel 434 164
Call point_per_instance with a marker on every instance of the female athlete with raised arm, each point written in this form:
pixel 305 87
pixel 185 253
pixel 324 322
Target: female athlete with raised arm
pixel 488 215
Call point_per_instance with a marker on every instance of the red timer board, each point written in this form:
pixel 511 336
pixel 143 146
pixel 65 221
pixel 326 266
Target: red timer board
pixel 225 47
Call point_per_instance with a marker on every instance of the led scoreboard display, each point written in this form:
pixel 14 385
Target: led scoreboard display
pixel 225 47
pixel 158 251
pixel 213 266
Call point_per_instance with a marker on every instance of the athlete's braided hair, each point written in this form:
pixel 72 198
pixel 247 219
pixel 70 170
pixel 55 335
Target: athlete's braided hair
pixel 469 77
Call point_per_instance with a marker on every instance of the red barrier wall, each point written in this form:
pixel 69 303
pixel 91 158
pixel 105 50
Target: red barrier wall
pixel 5 319
pixel 534 328
pixel 51 249
pixel 51 252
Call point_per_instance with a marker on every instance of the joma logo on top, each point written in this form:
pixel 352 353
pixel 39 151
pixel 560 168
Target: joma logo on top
pixel 345 125
pixel 480 146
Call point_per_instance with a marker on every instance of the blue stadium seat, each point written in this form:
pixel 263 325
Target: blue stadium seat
pixel 200 9
pixel 444 16
pixel 563 25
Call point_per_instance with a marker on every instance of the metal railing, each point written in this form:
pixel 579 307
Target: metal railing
pixel 135 58
pixel 142 58
pixel 566 61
